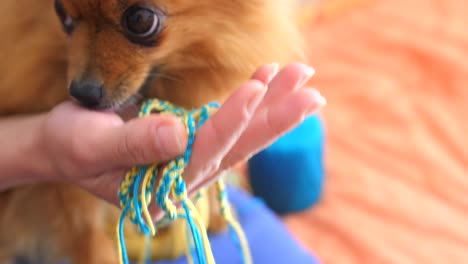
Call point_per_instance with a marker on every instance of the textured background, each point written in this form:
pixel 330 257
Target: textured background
pixel 395 73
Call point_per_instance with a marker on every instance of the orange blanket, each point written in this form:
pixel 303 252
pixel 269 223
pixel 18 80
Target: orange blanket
pixel 395 73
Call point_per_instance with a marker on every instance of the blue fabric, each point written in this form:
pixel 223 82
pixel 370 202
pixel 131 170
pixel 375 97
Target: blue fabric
pixel 289 174
pixel 269 240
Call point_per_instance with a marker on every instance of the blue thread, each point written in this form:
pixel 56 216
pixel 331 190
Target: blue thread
pixel 196 235
pixel 137 205
pixel 171 175
pixel 190 242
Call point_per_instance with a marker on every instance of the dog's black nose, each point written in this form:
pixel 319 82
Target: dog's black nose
pixel 89 92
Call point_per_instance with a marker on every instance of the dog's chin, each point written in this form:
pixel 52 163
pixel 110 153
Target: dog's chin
pixel 127 108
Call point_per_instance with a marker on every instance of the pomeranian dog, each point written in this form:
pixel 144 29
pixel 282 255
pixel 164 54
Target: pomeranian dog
pixel 110 54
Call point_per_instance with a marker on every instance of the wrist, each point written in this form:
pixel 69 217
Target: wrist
pixel 24 160
pixel 42 168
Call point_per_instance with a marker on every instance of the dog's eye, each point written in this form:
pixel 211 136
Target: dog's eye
pixel 142 24
pixel 67 21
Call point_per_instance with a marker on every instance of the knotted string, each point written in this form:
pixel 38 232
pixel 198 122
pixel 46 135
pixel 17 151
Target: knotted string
pixel 137 187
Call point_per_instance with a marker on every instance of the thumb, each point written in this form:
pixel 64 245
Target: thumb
pixel 151 139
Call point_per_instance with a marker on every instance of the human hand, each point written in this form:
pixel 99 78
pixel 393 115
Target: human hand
pixel 95 149
pixel 281 102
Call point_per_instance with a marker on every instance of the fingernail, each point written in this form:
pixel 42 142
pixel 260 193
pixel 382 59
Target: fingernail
pixel 319 100
pixel 273 70
pixel 168 137
pixel 308 73
pixel 256 98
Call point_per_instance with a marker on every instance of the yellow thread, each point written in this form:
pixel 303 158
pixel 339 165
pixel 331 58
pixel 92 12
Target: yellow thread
pixel 147 200
pixel 171 184
pixel 226 211
pixel 119 249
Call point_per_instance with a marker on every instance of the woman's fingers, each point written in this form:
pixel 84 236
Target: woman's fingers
pixel 147 140
pixel 268 125
pixel 266 73
pixel 280 86
pixel 216 137
pixel 291 78
pixel 283 107
pixel 91 142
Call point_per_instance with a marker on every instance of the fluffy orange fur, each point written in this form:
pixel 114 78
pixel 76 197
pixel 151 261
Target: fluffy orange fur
pixel 206 49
